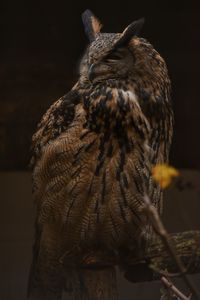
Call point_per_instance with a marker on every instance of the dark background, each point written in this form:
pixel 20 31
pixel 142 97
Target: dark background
pixel 40 45
pixel 42 42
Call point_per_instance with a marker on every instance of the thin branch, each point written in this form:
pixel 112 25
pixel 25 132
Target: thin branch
pixel 159 228
pixel 163 272
pixel 168 284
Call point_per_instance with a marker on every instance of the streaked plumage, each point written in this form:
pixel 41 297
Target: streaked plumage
pixel 94 150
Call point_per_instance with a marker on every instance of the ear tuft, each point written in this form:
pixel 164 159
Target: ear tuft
pixel 132 30
pixel 91 23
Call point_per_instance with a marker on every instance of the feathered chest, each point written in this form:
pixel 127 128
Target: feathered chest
pixel 115 111
pixel 96 170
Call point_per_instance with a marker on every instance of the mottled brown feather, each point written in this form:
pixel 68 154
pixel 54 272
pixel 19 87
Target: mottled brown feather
pixel 92 158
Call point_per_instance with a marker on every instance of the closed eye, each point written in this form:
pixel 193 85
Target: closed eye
pixel 115 55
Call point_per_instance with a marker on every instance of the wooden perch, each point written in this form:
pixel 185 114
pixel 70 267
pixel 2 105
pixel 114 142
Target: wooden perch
pixel 94 284
pixel 96 274
pixel 187 245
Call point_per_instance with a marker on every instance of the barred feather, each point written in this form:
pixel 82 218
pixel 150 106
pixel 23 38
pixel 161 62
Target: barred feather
pixel 93 154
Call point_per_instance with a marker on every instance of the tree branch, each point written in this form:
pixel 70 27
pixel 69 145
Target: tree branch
pixel 169 285
pixel 159 228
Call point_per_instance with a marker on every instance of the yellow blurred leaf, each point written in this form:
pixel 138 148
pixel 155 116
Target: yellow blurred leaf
pixel 163 174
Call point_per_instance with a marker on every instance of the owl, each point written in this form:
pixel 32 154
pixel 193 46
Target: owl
pixel 93 153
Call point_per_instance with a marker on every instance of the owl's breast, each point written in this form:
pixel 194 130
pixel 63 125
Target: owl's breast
pixel 92 182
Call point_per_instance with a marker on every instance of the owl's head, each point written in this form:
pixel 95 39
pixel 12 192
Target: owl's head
pixel 108 55
pixel 117 55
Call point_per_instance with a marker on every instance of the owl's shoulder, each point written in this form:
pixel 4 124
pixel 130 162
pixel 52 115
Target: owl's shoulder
pixel 58 118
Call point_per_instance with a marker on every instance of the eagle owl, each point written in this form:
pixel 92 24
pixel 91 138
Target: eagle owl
pixel 94 150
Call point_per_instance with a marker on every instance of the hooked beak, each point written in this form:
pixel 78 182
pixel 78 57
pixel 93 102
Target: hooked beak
pixel 91 73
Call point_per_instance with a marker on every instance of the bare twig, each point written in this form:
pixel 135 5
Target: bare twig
pixel 168 284
pixel 163 272
pixel 159 228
